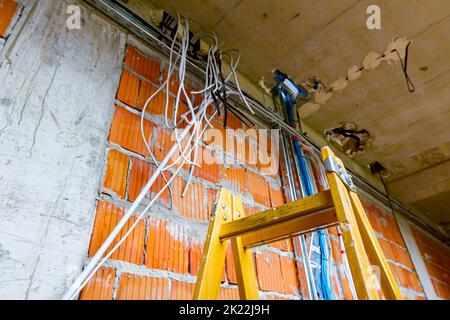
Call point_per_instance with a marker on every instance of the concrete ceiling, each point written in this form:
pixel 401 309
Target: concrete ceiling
pixel 325 38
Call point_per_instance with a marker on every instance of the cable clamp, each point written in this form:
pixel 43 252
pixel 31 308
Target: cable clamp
pixel 332 166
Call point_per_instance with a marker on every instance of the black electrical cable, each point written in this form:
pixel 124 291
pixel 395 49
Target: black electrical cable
pixel 388 196
pixel 409 83
pixel 223 97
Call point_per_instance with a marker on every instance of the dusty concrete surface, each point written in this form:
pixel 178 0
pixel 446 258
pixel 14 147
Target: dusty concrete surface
pixel 57 91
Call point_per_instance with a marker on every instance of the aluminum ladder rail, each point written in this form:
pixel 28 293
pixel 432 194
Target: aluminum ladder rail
pixel 338 206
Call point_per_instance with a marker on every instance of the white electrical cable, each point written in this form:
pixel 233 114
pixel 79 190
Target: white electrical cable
pixel 119 243
pixel 198 115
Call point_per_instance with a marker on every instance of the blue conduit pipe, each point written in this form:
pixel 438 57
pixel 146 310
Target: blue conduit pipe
pixel 290 104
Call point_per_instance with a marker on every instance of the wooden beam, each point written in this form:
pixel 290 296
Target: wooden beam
pixel 285 213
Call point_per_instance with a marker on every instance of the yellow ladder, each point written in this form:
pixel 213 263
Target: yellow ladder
pixel 338 206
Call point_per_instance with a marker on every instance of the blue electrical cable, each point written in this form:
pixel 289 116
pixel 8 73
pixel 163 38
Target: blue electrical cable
pixel 307 185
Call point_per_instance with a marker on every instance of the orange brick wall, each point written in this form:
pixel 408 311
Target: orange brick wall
pixel 8 12
pixel 394 248
pixel 164 251
pixel 437 261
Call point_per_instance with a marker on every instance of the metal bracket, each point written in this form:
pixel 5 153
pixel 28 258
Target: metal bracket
pixel 332 166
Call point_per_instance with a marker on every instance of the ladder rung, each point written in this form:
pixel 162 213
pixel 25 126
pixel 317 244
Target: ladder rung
pixel 285 221
pixel 291 228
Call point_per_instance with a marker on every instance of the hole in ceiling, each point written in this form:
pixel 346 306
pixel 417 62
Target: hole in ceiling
pixel 350 139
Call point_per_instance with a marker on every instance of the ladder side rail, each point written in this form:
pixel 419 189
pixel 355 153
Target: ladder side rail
pixel 214 252
pixel 374 251
pixel 243 260
pixel 359 262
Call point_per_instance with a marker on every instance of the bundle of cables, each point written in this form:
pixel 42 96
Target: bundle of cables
pixel 187 140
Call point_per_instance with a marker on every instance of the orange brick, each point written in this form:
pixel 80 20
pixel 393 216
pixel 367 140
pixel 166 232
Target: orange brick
pixel 348 295
pixel 128 89
pixel 194 204
pixel 333 231
pixel 163 143
pixel 259 188
pixel 235 177
pixel 100 287
pixel 141 172
pixel 157 105
pixel 431 250
pixel 391 230
pixel 167 246
pixel 442 290
pixel 251 153
pixel 437 272
pixel 415 282
pixel 290 276
pixel 302 280
pixel 116 173
pixel 233 121
pixel 134 287
pixel 267 162
pixel 401 256
pixel 216 137
pixel 8 9
pixel 195 256
pixel 387 249
pixel 182 291
pixel 143 65
pixel 276 197
pixel 229 294
pixel 284 245
pixel 229 266
pixel 373 214
pixel 406 278
pixel 290 245
pixel 250 210
pixel 269 273
pixel 174 85
pixel 383 223
pixel 126 131
pixel 107 217
pixel 212 198
pixel 210 168
pixel 336 251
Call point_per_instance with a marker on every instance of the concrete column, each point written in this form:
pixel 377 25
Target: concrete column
pixel 57 89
